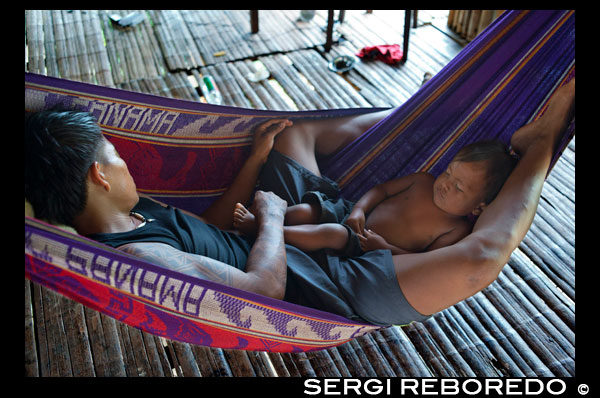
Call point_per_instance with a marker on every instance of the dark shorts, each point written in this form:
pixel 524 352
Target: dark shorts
pixel 363 287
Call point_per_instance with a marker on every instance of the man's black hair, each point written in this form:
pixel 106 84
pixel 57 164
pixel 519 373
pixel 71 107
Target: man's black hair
pixel 60 147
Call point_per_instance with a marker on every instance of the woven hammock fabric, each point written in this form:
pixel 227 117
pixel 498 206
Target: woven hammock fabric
pixel 186 154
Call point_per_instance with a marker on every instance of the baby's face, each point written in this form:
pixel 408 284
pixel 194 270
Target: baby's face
pixel 459 189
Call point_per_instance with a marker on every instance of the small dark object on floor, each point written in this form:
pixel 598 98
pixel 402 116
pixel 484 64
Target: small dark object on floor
pixel 342 63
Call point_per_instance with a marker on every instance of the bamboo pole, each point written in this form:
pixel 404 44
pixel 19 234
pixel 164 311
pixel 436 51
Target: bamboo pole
pixel 468 345
pixel 547 350
pixel 543 287
pixel 407 361
pixel 497 355
pixel 538 311
pixel 507 337
pixel 323 364
pixel 431 352
pixel 375 356
pixel 302 365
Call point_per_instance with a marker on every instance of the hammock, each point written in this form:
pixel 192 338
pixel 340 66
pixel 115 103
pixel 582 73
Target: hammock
pixel 186 154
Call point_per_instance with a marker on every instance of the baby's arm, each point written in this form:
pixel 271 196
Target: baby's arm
pixel 376 195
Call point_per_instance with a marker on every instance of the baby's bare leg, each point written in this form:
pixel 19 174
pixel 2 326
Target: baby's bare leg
pixel 311 237
pixel 303 213
pixel 306 237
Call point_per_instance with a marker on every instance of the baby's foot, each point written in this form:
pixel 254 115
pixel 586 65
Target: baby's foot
pixel 244 221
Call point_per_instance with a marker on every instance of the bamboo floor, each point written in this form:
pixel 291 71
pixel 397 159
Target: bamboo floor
pixel 523 324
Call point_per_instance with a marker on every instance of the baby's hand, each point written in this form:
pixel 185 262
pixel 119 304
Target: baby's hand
pixel 356 220
pixel 264 137
pixel 372 241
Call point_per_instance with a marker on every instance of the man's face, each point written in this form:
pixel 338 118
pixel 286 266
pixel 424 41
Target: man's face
pixel 116 172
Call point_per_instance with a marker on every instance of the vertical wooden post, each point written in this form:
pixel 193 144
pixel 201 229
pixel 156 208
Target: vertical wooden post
pixel 254 21
pixel 406 35
pixel 329 40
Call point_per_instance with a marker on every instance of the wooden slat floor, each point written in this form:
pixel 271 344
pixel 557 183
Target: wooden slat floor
pixel 521 325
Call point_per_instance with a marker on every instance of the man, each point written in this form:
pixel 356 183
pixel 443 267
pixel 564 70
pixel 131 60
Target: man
pixel 376 287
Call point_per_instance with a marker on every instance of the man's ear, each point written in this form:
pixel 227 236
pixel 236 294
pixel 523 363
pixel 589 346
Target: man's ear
pixel 479 209
pixel 97 177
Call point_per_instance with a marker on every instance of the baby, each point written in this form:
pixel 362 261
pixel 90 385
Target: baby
pixel 414 213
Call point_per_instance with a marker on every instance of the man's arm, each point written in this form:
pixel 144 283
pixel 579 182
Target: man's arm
pixel 220 212
pixel 266 267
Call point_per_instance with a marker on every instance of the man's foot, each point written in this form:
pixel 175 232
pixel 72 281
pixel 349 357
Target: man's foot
pixel 244 221
pixel 547 129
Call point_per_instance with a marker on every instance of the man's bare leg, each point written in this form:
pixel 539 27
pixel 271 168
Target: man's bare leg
pixel 309 139
pixel 435 280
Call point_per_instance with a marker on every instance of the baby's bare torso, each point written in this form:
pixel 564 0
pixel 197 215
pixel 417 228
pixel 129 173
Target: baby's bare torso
pixel 409 219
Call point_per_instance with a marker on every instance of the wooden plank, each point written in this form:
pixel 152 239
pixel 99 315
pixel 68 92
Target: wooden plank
pixel 31 357
pixel 323 364
pixel 280 71
pixel 537 308
pixel 559 277
pixel 278 364
pixel 79 43
pixel 96 51
pixel 290 364
pixel 299 365
pixel 40 331
pixel 547 350
pixel 211 362
pixel 58 361
pixel 356 360
pixel 543 287
pixel 261 363
pixel 62 60
pixel 448 347
pixel 239 363
pixel 479 358
pixel 186 359
pixel 375 357
pixel 498 356
pixel 507 338
pixel 34 26
pixel 409 362
pixel 77 338
pixel 429 349
pixel 49 45
pixel 104 344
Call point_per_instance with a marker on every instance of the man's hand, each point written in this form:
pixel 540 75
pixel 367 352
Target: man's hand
pixel 264 137
pixel 268 208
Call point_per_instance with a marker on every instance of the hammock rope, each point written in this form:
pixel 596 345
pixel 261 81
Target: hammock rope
pixel 186 154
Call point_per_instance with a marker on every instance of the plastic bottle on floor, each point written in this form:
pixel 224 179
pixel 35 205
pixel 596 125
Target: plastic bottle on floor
pixel 210 90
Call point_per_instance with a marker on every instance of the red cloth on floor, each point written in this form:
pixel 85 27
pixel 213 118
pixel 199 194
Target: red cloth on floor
pixel 391 54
